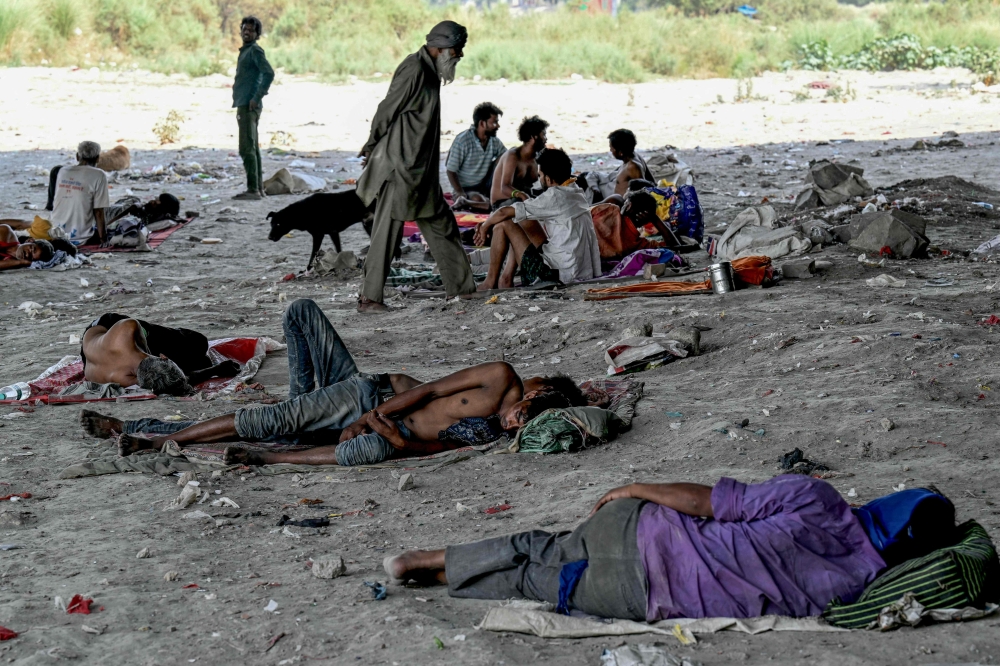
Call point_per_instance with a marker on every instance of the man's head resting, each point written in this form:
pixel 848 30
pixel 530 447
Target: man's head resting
pixel 520 413
pixel 162 376
pixel 554 167
pixel 556 384
pixel 88 152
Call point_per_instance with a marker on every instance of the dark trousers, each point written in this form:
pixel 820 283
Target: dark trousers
pixel 528 565
pixel 250 146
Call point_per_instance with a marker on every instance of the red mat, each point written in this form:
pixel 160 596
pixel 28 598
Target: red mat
pixel 465 221
pixel 154 241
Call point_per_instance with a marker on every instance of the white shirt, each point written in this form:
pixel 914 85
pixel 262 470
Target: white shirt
pixel 79 190
pixel 564 215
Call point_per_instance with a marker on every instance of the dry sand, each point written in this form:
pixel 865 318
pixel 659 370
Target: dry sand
pixel 825 394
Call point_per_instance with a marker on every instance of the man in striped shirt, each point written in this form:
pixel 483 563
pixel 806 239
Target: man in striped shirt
pixel 473 157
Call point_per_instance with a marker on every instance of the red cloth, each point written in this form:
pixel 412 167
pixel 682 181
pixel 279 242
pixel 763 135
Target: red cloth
pixel 6 634
pixel 79 605
pixel 21 495
pixel 617 236
pixel 7 250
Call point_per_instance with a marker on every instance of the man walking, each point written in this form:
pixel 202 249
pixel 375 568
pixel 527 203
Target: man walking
pixel 402 158
pixel 253 78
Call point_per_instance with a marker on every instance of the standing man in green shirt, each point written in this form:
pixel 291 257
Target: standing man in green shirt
pixel 401 168
pixel 253 77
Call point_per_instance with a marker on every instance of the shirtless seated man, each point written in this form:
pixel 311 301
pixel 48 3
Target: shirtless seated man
pixel 120 350
pixel 517 169
pixel 622 143
pixel 373 416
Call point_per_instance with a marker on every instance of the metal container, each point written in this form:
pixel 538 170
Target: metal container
pixel 721 275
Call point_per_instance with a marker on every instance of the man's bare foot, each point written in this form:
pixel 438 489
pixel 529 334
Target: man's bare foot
pixel 129 444
pixel 423 566
pixel 234 455
pixel 368 306
pixel 96 424
pixel 485 285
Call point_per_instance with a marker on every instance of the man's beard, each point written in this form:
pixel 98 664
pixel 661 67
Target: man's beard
pixel 446 64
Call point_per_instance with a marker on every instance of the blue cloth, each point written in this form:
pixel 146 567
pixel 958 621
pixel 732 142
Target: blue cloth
pixel 569 576
pixel 907 524
pixel 473 431
pixel 368 449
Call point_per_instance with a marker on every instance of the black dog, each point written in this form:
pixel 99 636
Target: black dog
pixel 326 213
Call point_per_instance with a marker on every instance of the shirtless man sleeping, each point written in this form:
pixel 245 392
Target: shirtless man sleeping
pixel 374 417
pixel 120 350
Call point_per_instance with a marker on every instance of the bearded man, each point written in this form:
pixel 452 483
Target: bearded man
pixel 401 160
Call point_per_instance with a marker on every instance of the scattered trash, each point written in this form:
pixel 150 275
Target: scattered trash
pixel 498 509
pixel 171 576
pixel 328 566
pixel 15 495
pixel 674 415
pixel 888 424
pixel 378 590
pixel 288 533
pixel 992 320
pixel 274 640
pixel 852 493
pixel 143 554
pixel 893 234
pixel 7 634
pixel 641 655
pixel 795 462
pixel 641 353
pixel 79 605
pixel 886 281
pixel 271 606
pixel 97 631
pixel 910 612
pixel 225 501
pixel 197 514
pixel 983 204
pixel 305 522
pixel 462 508
pixel 188 496
pixel 10 546
pixel 406 482
pixel 832 184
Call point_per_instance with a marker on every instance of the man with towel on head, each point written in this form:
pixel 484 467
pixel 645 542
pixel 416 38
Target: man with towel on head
pixel 402 159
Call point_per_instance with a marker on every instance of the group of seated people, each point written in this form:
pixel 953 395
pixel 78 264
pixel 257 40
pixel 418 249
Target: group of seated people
pixel 554 233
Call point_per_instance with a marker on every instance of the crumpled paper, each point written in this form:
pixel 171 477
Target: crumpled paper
pixel 910 612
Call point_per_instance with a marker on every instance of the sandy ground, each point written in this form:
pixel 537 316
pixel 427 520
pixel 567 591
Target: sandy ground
pixel 823 394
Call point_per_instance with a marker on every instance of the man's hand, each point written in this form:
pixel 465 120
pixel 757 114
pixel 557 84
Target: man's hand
pixel 624 492
pixel 387 428
pixel 519 195
pixel 254 105
pixel 479 239
pixel 357 428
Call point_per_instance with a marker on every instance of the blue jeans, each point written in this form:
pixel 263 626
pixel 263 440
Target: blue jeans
pixel 311 415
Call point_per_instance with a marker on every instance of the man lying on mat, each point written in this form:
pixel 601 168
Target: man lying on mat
pixel 374 417
pixel 118 349
pixel 15 253
pixel 650 552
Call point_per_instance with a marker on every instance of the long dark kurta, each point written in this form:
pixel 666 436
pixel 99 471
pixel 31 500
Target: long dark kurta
pixel 405 142
pixel 404 151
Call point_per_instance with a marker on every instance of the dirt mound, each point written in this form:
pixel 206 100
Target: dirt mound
pixel 952 185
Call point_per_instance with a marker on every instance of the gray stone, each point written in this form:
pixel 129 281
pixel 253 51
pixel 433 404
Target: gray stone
pixel 888 424
pixel 690 338
pixel 841 233
pixel 406 482
pixel 14 518
pixel 329 566
pixel 801 269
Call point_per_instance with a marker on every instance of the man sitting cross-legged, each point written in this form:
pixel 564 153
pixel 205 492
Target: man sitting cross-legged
pixel 374 417
pixel 650 552
pixel 557 241
pixel 622 144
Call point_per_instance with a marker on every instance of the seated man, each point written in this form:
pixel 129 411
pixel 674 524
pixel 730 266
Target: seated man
pixel 81 195
pixel 617 221
pixel 649 552
pixel 517 170
pixel 570 250
pixel 374 417
pixel 473 157
pixel 118 349
pixel 17 254
pixel 622 144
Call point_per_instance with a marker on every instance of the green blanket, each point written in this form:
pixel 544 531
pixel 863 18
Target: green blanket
pixel 567 430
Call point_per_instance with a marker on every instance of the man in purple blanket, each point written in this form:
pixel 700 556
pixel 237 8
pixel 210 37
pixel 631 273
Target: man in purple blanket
pixel 787 546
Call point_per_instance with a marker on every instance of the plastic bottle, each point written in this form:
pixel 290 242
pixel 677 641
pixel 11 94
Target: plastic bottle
pixel 19 391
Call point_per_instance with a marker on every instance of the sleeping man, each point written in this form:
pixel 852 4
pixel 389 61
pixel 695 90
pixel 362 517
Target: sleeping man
pixel 120 350
pixel 653 551
pixel 356 418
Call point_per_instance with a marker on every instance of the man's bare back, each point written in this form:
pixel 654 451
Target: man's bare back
pixel 113 354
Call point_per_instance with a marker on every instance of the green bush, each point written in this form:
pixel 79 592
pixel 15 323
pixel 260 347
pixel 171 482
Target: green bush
pixel 14 15
pixel 64 17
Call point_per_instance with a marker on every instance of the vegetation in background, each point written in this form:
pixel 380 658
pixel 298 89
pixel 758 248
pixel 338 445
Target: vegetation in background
pixel 661 38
